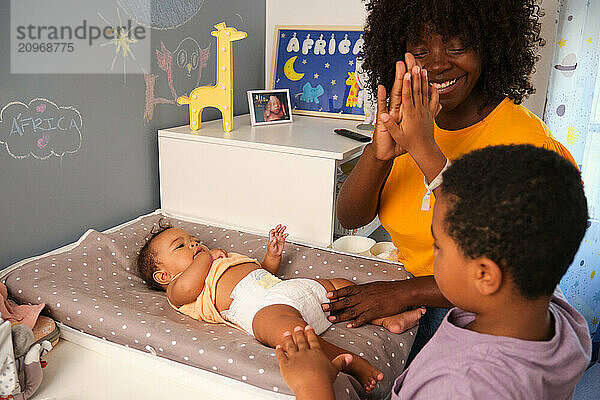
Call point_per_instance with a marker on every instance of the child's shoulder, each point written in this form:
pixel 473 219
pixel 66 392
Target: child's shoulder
pixel 459 363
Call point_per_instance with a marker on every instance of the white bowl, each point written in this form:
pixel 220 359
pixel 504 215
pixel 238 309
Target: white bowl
pixel 354 244
pixel 384 250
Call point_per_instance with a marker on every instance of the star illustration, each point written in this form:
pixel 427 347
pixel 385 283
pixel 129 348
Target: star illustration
pixel 332 82
pixel 562 42
pixel 335 97
pixel 351 62
pixel 304 61
pixel 326 65
pixel 316 76
pixel 590 39
pixel 283 35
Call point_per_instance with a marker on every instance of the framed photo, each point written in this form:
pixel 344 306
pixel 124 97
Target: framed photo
pixel 269 106
pixel 318 64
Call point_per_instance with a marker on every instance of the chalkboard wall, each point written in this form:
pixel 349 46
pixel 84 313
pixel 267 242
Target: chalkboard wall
pixel 102 169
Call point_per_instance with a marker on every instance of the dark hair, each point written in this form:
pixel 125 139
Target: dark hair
pixel 505 36
pixel 522 207
pixel 146 262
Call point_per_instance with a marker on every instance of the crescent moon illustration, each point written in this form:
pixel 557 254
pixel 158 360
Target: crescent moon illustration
pixel 288 70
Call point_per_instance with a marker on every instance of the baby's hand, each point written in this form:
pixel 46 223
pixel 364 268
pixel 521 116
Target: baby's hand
pixel 218 253
pixel 277 237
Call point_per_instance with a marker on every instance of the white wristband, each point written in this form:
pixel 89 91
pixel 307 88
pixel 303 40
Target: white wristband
pixel 435 183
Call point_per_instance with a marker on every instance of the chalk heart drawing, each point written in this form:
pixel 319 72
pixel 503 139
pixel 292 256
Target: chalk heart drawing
pixel 162 14
pixel 43 141
pixel 24 132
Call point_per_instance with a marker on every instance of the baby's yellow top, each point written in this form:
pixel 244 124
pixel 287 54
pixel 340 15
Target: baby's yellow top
pixel 400 203
pixel 204 307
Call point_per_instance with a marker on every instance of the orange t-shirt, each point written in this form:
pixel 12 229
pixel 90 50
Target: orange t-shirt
pixel 204 307
pixel 400 203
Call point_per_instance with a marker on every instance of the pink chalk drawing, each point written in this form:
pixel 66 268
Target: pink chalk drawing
pixel 182 76
pixel 43 141
pixel 41 108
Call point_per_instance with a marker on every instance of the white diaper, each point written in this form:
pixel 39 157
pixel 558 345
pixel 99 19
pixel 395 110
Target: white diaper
pixel 260 289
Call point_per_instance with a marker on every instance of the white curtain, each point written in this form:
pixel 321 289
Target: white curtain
pixel 573 116
pixel 573 104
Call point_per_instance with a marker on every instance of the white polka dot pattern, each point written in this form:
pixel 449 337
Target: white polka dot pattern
pixel 94 288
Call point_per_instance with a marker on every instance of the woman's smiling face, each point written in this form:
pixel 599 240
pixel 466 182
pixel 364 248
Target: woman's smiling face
pixel 452 66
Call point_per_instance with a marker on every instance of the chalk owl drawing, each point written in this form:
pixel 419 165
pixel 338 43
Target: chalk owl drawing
pixel 182 75
pixel 190 61
pixel 311 94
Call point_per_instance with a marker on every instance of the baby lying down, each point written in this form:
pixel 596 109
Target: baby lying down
pixel 220 287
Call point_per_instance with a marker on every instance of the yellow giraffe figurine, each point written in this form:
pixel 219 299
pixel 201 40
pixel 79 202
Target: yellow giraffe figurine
pixel 219 96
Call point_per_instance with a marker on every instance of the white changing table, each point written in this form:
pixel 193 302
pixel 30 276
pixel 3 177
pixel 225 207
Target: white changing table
pixel 256 177
pixel 77 373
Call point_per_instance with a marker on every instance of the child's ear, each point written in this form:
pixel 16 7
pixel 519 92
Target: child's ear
pixel 488 276
pixel 162 277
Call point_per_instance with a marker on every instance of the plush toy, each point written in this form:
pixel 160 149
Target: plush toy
pixel 20 364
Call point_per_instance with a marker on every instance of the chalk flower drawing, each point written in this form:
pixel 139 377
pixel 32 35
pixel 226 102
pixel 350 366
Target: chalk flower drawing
pixel 40 129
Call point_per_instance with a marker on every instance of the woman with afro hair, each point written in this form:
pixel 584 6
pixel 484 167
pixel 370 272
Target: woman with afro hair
pixel 479 55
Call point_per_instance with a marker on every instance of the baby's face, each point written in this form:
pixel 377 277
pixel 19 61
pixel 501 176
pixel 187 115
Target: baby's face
pixel 176 250
pixel 275 104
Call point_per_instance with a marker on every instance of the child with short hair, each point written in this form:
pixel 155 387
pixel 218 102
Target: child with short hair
pixel 507 223
pixel 220 287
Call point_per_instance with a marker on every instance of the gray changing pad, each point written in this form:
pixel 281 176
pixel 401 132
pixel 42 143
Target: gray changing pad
pixel 93 288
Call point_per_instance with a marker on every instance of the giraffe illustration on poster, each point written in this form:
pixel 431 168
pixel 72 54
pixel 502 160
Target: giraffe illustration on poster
pixel 352 100
pixel 220 95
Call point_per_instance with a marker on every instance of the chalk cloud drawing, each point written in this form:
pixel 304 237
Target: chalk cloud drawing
pixel 40 129
pixel 162 14
pixel 183 71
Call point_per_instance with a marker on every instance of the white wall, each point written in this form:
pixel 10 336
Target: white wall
pixel 352 12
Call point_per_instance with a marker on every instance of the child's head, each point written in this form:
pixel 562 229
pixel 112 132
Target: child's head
pixel 503 36
pixel 167 253
pixel 274 105
pixel 507 217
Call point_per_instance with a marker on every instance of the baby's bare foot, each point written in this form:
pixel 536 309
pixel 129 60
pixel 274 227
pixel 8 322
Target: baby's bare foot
pixel 400 322
pixel 362 370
